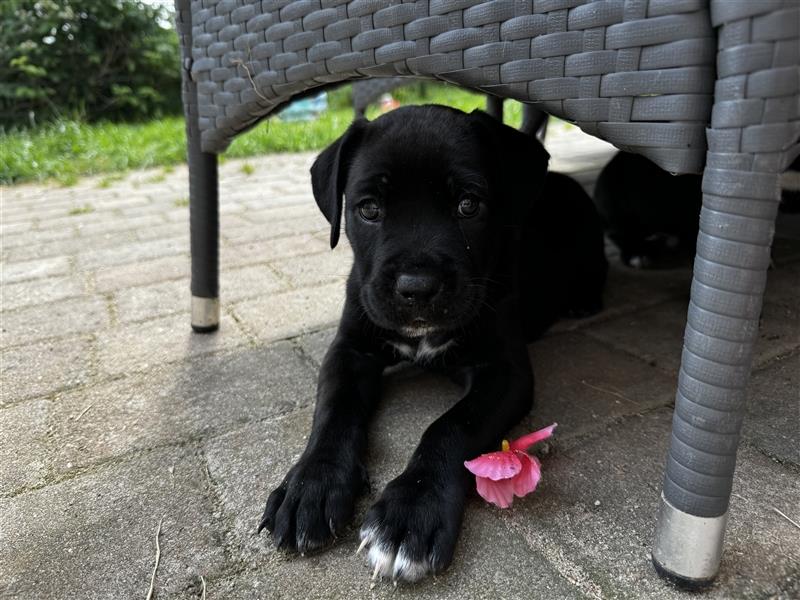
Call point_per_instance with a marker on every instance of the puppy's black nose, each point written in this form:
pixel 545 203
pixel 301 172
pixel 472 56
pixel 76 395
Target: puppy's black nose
pixel 417 288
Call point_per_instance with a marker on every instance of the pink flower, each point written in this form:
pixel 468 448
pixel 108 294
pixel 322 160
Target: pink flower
pixel 510 472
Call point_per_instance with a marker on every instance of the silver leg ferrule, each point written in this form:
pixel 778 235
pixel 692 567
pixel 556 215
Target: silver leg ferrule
pixel 688 549
pixel 205 314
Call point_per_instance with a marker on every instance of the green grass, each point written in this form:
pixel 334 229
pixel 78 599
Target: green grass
pixel 80 210
pixel 65 151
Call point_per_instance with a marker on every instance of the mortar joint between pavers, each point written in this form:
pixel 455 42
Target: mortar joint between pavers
pixel 250 336
pixel 226 520
pixel 789 465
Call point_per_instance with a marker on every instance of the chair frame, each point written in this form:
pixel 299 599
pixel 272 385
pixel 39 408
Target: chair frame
pixel 730 108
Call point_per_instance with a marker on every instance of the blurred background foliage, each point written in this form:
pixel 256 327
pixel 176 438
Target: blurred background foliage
pixel 93 86
pixel 87 60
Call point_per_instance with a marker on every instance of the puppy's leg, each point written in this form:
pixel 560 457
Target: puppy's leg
pixel 412 529
pixel 317 496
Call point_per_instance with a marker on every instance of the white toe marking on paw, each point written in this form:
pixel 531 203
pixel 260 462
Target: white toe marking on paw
pixel 385 561
pixel 381 558
pixel 407 569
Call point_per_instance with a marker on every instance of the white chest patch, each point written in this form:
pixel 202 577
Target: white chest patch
pixel 423 351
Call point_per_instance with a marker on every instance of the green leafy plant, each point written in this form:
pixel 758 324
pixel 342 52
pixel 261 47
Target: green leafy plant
pixel 87 60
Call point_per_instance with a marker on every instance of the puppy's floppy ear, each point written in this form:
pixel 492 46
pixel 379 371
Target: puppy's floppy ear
pixel 520 161
pixel 329 175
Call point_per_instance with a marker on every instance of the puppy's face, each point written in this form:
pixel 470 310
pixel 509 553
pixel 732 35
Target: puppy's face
pixel 428 204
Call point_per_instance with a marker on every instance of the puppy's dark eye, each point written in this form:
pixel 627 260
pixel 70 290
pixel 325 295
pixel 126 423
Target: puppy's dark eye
pixel 468 207
pixel 369 210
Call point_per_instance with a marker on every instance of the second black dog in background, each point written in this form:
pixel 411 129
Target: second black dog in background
pixel 650 215
pixel 562 221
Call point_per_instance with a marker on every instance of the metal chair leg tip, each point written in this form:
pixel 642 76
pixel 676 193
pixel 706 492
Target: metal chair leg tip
pixel 205 314
pixel 688 548
pixel 684 583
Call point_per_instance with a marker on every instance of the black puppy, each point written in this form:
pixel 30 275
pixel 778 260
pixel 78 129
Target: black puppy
pixel 651 216
pixel 442 217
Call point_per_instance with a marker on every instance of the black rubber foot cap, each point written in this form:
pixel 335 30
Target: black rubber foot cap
pixel 205 328
pixel 689 585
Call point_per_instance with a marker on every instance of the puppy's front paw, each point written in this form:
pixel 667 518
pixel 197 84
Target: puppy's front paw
pixel 411 531
pixel 313 503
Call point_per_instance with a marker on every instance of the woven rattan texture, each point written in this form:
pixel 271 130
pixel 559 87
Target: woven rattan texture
pixel 639 73
pixel 753 138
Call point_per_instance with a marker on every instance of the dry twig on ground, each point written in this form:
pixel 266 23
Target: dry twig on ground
pixel 158 558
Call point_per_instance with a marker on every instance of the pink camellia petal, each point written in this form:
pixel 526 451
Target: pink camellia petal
pixel 526 441
pixel 495 465
pixel 500 493
pixel 528 478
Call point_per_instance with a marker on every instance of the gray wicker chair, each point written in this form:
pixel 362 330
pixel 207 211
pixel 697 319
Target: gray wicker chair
pixel 695 85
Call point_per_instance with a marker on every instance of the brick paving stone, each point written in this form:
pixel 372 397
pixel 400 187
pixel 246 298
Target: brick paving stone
pixel 131 252
pixel 262 251
pixel 779 332
pixel 9 229
pixel 229 208
pixel 250 233
pixel 44 213
pixel 630 289
pixel 152 301
pixel 23 449
pixel 290 313
pixel 71 246
pixel 42 368
pixel 275 196
pixel 174 231
pixel 33 269
pixel 94 536
pixel 583 384
pixel 40 291
pixel 255 281
pixel 594 514
pixel 663 342
pixel 318 269
pixel 121 350
pixel 306 208
pixel 62 218
pixel 664 325
pixel 142 272
pixel 772 422
pixel 115 225
pixel 11 240
pixel 315 345
pixel 57 319
pixel 246 464
pixel 168 405
pixel 233 220
pixel 489 563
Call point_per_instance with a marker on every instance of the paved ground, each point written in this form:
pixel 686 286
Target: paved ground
pixel 114 416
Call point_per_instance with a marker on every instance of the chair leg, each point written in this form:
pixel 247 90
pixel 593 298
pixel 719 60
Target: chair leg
pixel 741 191
pixel 204 234
pixel 534 121
pixel 733 253
pixel 494 107
pixel 203 194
